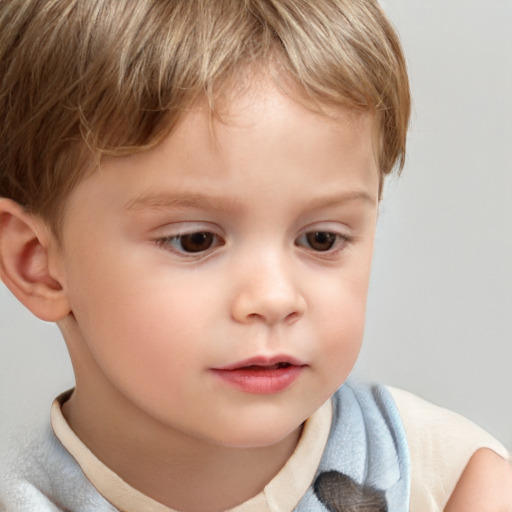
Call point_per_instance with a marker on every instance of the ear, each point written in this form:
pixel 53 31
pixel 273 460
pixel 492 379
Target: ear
pixel 25 265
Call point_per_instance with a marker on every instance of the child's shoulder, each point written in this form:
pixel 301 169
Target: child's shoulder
pixel 447 449
pixel 485 485
pixel 37 473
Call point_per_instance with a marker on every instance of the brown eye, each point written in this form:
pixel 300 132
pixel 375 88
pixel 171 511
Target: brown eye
pixel 321 240
pixel 192 244
pixel 196 242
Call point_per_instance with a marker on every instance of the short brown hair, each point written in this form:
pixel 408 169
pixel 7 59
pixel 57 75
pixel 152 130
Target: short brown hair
pixel 83 79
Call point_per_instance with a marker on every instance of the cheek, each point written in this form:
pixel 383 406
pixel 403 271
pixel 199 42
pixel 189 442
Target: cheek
pixel 340 318
pixel 143 323
pixel 137 320
pixel 143 341
pixel 344 329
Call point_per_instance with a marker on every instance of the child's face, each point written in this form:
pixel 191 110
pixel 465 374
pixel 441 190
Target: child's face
pixel 218 282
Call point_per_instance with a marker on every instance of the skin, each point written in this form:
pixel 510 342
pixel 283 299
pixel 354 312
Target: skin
pixel 147 322
pixel 485 485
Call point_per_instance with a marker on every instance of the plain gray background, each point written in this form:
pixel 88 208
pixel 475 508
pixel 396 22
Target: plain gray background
pixel 440 305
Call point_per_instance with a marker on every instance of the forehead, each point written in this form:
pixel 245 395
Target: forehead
pixel 262 141
pixel 262 93
pixel 271 117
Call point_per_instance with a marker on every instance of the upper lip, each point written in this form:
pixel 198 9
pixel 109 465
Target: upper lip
pixel 263 362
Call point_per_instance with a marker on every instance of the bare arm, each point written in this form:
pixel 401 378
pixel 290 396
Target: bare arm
pixel 485 485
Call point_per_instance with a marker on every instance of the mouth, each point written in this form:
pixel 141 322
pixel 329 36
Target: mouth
pixel 264 363
pixel 261 375
pixel 271 367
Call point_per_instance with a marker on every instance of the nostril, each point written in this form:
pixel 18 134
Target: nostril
pixel 292 316
pixel 268 302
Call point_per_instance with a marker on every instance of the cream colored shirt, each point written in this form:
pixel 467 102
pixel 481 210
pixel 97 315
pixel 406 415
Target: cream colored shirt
pixel 440 443
pixel 281 494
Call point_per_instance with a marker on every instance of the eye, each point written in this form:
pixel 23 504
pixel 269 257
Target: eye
pixel 191 243
pixel 321 241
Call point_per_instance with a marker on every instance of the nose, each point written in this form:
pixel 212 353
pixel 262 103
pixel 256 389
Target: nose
pixel 267 292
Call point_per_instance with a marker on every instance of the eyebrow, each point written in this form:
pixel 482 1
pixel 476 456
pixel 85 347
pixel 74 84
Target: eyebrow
pixel 164 200
pixel 360 196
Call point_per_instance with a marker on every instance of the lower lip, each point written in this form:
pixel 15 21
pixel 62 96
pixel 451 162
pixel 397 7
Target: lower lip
pixel 260 381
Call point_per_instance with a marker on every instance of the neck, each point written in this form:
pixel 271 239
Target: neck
pixel 178 470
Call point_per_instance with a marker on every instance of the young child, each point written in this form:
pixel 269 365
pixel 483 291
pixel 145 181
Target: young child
pixel 190 190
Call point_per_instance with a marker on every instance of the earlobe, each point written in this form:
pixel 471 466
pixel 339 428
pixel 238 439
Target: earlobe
pixel 24 263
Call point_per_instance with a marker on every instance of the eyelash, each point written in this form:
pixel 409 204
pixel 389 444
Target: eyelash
pixel 333 242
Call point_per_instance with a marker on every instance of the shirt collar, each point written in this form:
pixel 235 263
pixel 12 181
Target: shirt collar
pixel 282 493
